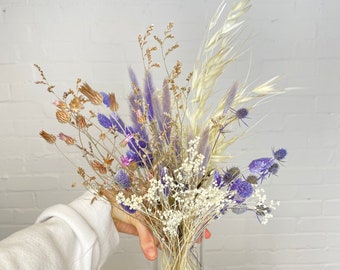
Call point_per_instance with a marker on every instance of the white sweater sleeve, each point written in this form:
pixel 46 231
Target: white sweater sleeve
pixel 78 236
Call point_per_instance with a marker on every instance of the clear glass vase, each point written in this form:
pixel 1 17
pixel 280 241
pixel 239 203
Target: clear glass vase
pixel 190 258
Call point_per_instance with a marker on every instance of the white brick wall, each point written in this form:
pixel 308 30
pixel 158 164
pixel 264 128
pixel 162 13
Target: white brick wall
pixel 96 40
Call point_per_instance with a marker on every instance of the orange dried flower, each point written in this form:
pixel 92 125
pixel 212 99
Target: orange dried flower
pixel 50 138
pixel 99 167
pixel 93 96
pixel 108 160
pixel 80 122
pixel 81 172
pixel 60 104
pixel 67 139
pixel 113 102
pixel 102 136
pixel 76 104
pixel 63 116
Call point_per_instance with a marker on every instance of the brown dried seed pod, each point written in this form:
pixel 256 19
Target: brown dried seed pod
pixel 50 138
pixel 113 102
pixel 93 96
pixel 67 139
pixel 61 104
pixel 76 104
pixel 99 167
pixel 80 122
pixel 63 116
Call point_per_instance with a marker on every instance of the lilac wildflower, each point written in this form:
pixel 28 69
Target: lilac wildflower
pixel 125 160
pixel 123 179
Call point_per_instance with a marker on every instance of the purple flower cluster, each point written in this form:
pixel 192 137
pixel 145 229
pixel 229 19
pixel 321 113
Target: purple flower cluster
pixel 264 167
pixel 243 190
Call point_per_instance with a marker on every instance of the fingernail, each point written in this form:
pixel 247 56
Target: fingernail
pixel 151 253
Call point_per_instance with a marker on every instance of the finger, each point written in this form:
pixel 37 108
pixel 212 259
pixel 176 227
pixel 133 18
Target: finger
pixel 207 234
pixel 146 241
pixel 123 227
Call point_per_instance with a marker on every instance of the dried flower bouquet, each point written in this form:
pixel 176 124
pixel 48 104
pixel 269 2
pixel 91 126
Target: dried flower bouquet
pixel 166 163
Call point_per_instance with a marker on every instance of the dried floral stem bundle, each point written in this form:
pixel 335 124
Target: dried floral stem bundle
pixel 165 163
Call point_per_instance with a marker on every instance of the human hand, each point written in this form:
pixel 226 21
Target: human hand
pixel 131 224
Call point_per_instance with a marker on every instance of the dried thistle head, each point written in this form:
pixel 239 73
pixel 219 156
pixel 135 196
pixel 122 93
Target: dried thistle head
pixel 50 138
pixel 76 104
pixel 67 139
pixel 113 102
pixel 99 167
pixel 93 96
pixel 80 122
pixel 63 116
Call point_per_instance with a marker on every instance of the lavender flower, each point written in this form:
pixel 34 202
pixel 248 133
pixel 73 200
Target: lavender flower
pixel 104 120
pixel 117 122
pixel 133 156
pixel 149 90
pixel 106 99
pixel 123 179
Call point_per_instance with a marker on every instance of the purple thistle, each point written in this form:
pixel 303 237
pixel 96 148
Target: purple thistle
pixel 117 122
pixel 104 121
pixel 280 154
pixel 274 168
pixel 128 208
pixel 123 179
pixel 243 189
pixel 149 90
pixel 241 113
pixel 230 174
pixel 261 166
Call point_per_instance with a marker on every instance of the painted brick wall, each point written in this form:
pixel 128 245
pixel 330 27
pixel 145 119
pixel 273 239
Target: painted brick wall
pixel 96 40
